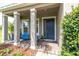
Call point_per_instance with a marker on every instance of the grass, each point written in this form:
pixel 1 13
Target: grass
pixel 0 36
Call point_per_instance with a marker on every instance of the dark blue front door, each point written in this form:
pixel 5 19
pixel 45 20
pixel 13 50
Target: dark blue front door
pixel 49 28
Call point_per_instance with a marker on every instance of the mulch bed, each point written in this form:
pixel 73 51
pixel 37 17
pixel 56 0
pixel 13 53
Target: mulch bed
pixel 24 51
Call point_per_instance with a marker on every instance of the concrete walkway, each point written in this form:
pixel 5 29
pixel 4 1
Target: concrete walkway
pixel 53 51
pixel 44 54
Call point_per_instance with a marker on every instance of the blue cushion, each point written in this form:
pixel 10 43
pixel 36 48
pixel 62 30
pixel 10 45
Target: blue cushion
pixel 25 36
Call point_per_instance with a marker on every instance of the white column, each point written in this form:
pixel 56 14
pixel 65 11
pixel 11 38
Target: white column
pixel 40 27
pixel 22 27
pixel 60 18
pixel 28 26
pixel 33 14
pixel 4 28
pixel 16 28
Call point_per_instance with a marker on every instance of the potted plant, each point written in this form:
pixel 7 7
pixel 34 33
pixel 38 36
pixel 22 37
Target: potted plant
pixel 42 38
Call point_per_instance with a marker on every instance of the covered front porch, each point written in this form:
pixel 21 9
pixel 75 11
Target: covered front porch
pixel 43 20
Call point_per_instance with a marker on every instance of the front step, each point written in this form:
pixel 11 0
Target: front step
pixel 52 48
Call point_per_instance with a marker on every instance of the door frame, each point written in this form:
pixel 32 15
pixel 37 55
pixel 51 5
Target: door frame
pixel 54 26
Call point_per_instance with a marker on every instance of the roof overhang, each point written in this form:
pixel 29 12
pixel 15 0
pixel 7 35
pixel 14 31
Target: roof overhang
pixel 14 6
pixel 25 6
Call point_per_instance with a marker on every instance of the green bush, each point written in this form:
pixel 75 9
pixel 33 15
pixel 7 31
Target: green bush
pixel 70 45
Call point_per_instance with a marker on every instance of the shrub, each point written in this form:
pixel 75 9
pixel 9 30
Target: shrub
pixel 18 53
pixel 71 33
pixel 5 51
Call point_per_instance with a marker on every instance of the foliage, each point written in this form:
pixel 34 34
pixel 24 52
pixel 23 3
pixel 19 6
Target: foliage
pixel 5 51
pixel 0 27
pixel 71 33
pixel 11 27
pixel 18 53
pixel 0 35
pixel 42 36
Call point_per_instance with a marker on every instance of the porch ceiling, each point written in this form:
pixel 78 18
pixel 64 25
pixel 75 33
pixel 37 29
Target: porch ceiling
pixel 43 9
pixel 41 12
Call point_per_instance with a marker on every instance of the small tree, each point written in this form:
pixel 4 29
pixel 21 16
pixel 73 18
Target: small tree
pixel 71 33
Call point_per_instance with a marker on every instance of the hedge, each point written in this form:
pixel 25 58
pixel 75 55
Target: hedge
pixel 70 24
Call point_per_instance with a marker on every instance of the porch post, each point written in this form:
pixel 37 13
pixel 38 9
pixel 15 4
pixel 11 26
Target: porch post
pixel 40 26
pixel 22 27
pixel 4 28
pixel 16 28
pixel 33 18
pixel 60 18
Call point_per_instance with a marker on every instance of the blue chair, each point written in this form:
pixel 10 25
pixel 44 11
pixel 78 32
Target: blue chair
pixel 25 36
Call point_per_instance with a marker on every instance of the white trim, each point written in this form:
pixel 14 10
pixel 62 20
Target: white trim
pixel 43 26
